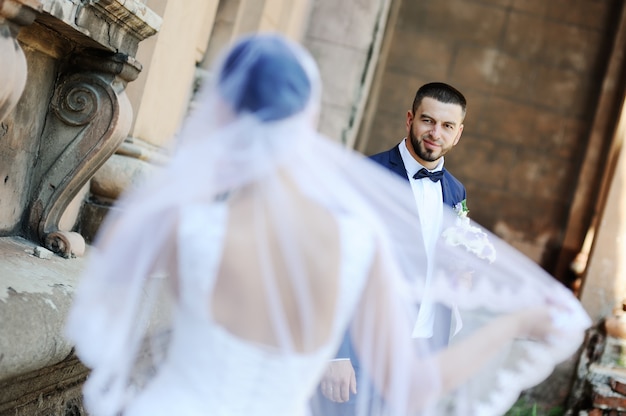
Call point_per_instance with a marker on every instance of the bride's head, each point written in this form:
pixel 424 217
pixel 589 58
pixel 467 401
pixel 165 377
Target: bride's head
pixel 263 91
pixel 268 77
pixel 262 76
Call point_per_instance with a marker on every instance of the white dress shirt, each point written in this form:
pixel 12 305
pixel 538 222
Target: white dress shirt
pixel 429 200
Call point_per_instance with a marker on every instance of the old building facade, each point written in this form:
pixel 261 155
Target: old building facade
pixel 92 95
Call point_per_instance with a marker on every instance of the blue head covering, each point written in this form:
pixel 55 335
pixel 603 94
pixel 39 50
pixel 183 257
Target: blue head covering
pixel 261 75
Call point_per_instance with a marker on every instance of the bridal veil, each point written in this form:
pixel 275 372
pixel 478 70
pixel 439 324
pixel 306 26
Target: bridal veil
pixel 121 318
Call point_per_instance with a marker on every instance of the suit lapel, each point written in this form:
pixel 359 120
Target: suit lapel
pixel 445 189
pixel 396 164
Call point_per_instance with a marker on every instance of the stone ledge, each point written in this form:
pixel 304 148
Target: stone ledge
pixel 35 296
pixel 54 390
pixel 107 22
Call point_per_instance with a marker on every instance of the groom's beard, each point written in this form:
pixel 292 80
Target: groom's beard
pixel 421 151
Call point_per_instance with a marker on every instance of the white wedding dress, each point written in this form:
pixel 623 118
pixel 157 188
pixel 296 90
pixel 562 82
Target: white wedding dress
pixel 208 370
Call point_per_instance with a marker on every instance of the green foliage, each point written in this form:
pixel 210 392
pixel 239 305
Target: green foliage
pixel 524 408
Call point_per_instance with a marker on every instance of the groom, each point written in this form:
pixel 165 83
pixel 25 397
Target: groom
pixel 434 126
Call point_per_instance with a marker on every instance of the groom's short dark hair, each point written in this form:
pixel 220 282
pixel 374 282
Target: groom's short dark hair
pixel 442 92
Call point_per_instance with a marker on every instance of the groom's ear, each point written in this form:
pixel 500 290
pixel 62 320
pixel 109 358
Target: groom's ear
pixel 409 120
pixel 458 135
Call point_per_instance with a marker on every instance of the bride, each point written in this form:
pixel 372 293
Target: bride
pixel 224 285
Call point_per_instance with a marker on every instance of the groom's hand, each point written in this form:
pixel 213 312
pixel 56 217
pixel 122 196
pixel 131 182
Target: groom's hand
pixel 339 381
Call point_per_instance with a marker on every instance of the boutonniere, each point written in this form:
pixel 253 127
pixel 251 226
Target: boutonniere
pixel 461 209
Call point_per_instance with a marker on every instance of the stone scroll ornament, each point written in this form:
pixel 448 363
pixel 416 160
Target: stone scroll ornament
pixel 89 117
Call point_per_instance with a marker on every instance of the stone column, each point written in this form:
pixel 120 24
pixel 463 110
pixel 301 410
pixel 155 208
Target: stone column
pixel 345 38
pixel 238 17
pixel 579 233
pixel 160 98
pixel 13 15
pixel 604 284
pixel 600 264
pixel 288 17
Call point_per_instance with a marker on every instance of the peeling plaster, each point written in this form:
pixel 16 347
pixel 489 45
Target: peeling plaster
pixel 35 295
pixel 22 272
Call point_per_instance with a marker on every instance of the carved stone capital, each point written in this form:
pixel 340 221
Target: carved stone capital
pixel 89 118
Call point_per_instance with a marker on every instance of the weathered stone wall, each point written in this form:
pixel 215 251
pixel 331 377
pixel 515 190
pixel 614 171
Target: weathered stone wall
pixel 532 72
pixel 69 118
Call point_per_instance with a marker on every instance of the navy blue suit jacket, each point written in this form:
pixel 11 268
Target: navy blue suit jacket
pixel 453 189
pixel 453 193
